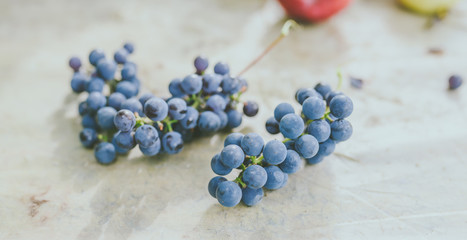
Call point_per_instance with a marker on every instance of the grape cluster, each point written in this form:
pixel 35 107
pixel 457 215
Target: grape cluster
pixel 311 135
pixel 116 122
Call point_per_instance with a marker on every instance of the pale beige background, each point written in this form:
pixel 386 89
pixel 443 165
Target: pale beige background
pixel 407 179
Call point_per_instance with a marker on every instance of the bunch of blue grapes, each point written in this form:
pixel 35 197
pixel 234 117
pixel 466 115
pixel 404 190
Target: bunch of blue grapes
pixel 311 134
pixel 116 122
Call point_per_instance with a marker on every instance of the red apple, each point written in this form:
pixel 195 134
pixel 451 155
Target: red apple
pixel 313 10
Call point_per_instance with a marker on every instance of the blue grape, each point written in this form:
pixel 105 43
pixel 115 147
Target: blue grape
pixel 105 117
pixel 172 142
pixel 175 88
pixel 224 119
pixel 233 138
pixel 251 197
pixel 272 126
pixel 341 106
pixel 75 63
pixel 115 100
pixel 118 149
pixel 95 56
pixel 135 81
pixel 219 168
pixel 106 69
pixel 221 68
pixel 290 144
pixel 127 88
pixel 281 110
pixel 327 147
pixel 128 71
pixel 191 118
pixel 192 84
pixel 156 109
pixel 323 89
pixel 341 130
pixel 95 101
pixel 129 47
pixel 88 121
pixel 83 108
pixel 255 176
pixel 211 83
pixel 146 136
pixel 275 177
pixel 105 153
pixel 316 159
pixel 232 156
pixel 455 81
pixel 88 137
pixel 314 108
pixel 125 140
pixel 284 182
pixel 121 55
pixel 133 105
pixel 124 120
pixel 208 122
pixel 201 63
pixel 307 146
pixel 177 108
pixel 95 85
pixel 187 134
pixel 79 82
pixel 331 95
pixel 292 162
pixel 274 152
pixel 214 183
pixel 151 150
pixel 320 129
pixel 234 118
pixel 250 108
pixel 216 103
pixel 291 126
pixel 230 85
pixel 145 97
pixel 356 83
pixel 228 194
pixel 252 144
pixel 302 94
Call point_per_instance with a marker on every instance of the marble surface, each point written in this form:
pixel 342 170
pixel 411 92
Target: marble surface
pixel 401 176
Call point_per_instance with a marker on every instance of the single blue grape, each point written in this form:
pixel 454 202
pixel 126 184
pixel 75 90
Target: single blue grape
pixel 314 108
pixel 83 108
pixel 232 156
pixel 135 81
pixel 106 69
pixel 187 134
pixel 79 82
pixel 251 197
pixel 291 126
pixel 75 63
pixel 211 83
pixel 129 47
pixel 127 88
pixel 221 68
pixel 252 144
pixel 356 83
pixel 230 85
pixel 192 84
pixel 290 144
pixel 145 97
pixel 115 100
pixel 95 101
pixel 272 126
pixel 88 121
pixel 327 147
pixel 175 88
pixel 88 137
pixel 341 106
pixel 292 162
pixel 275 177
pixel 146 136
pixel 255 176
pixel 281 110
pixel 125 140
pixel 95 85
pixel 331 95
pixel 118 149
pixel 124 120
pixel 208 122
pixel 177 108
pixel 152 150
pixel 307 146
pixel 234 118
pixel 233 138
pixel 95 56
pixel 213 183
pixel 201 63
pixel 191 118
pixel 133 105
pixel 316 159
pixel 156 109
pixel 320 129
pixel 284 182
pixel 455 81
pixel 219 168
pixel 228 194
pixel 250 108
pixel 274 152
pixel 128 71
pixel 323 89
pixel 105 153
pixel 172 142
pixel 303 93
pixel 105 117
pixel 224 119
pixel 216 103
pixel 121 55
pixel 341 130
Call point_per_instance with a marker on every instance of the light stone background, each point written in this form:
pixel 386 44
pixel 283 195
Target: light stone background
pixel 401 176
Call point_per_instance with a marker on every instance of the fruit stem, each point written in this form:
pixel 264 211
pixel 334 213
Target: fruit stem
pixel 289 24
pixel 339 77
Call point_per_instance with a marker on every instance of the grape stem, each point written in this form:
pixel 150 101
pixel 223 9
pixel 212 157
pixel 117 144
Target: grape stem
pixel 339 77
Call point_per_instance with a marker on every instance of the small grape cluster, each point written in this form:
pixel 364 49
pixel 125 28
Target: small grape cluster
pixel 200 103
pixel 312 135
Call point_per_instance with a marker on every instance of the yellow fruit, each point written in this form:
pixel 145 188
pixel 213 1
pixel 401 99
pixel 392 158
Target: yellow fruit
pixel 428 6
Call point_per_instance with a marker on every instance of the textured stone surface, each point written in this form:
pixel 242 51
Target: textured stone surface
pixel 402 174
